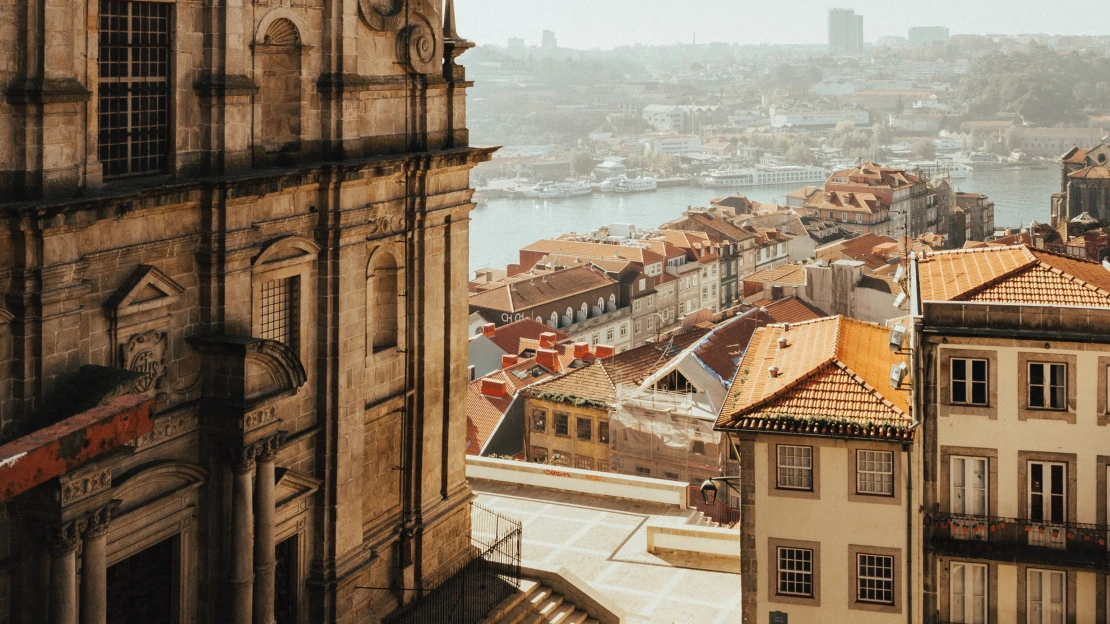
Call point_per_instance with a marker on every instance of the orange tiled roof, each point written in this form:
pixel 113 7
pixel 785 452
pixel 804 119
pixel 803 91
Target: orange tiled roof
pixel 832 380
pixel 1076 156
pixel 785 274
pixel 511 338
pixel 525 294
pixel 721 351
pixel 595 250
pixel 791 310
pixel 483 413
pixel 1091 173
pixel 1015 274
pixel 597 382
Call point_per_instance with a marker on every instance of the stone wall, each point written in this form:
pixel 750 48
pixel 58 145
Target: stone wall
pixel 356 453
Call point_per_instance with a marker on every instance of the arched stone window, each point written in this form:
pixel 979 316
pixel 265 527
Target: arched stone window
pixel 384 304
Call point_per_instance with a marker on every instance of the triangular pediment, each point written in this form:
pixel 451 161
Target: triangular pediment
pixel 145 289
pixel 1099 156
pixel 292 486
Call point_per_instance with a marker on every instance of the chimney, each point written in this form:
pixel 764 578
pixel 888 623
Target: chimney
pixel 489 330
pixel 581 349
pixel 782 344
pixel 604 351
pixel 508 360
pixel 493 388
pixel 773 372
pixel 547 340
pixel 548 358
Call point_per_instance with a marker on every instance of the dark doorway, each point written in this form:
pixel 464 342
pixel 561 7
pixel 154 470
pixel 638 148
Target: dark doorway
pixel 285 582
pixel 141 587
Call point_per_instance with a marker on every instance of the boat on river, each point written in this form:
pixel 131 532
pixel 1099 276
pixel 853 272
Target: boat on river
pixel 555 190
pixel 623 184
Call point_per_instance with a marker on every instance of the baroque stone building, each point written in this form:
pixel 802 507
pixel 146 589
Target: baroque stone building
pixel 233 260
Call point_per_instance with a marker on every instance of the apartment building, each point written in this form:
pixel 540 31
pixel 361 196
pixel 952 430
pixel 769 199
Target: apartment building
pixel 1013 349
pixel 704 253
pixel 858 212
pixel 905 197
pixel 735 248
pixel 824 441
pixel 581 302
pixel 978 215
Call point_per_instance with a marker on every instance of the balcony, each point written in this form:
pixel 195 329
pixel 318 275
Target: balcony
pixel 1018 540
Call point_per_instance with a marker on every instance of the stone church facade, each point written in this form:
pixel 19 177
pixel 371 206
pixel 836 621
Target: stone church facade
pixel 233 324
pixel 1084 185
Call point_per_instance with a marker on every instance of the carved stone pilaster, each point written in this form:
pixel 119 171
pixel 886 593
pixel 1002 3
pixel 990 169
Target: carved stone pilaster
pixel 267 450
pixel 242 460
pixel 96 523
pixel 63 539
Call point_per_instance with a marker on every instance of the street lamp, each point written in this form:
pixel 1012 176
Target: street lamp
pixel 709 488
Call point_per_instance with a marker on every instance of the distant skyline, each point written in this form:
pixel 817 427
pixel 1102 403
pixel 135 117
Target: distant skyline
pixel 605 24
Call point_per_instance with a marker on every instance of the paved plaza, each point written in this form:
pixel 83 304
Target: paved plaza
pixel 603 541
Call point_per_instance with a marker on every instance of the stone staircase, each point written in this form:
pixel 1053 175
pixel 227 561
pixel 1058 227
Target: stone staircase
pixel 537 603
pixel 697 518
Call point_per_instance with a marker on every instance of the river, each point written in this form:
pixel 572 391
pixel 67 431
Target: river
pixel 500 227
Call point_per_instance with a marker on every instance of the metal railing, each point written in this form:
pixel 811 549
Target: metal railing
pixel 471 589
pixel 718 512
pixel 1019 539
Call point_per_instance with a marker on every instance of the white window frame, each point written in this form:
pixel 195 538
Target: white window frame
pixel 790 574
pixel 967 497
pixel 1048 387
pixel 967 596
pixel 1038 588
pixel 868 560
pixel 795 463
pixel 969 383
pixel 871 457
pixel 1046 504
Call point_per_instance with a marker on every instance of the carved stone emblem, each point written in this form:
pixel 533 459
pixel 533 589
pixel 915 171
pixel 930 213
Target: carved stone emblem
pixel 146 353
pixel 257 418
pixel 419 47
pixel 377 14
pixel 86 486
pixel 166 429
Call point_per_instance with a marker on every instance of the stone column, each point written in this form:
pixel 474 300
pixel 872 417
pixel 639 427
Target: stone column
pixel 63 575
pixel 264 546
pixel 94 567
pixel 242 539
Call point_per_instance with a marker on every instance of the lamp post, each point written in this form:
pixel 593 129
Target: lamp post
pixel 709 488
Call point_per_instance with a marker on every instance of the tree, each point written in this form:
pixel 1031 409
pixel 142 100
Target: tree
pixel 582 162
pixel 881 134
pixel 924 150
pixel 799 154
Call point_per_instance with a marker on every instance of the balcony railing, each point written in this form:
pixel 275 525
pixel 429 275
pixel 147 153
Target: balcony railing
pixel 1019 539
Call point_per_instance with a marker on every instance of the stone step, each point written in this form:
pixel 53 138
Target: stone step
pixel 577 616
pixel 547 608
pixel 560 614
pixel 527 589
pixel 527 607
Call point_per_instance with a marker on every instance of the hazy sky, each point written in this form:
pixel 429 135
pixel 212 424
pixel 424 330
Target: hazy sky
pixel 609 23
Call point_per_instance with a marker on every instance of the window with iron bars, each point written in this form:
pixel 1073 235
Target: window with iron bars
pixel 281 307
pixel 133 101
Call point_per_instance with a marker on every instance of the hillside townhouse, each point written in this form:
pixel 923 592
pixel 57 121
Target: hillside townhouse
pixel 770 248
pixel 824 439
pixel 735 248
pixel 978 215
pixel 856 212
pixel 704 253
pixel 580 301
pixel 1014 354
pixel 905 197
pixel 638 269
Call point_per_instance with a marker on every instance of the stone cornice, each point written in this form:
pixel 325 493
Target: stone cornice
pixel 47 91
pixel 224 85
pixel 104 204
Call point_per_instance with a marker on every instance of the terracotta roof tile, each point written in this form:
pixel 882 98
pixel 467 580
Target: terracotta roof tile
pixel 785 274
pixel 509 338
pixel 1015 274
pixel 1091 173
pixel 483 413
pixel 832 379
pixel 522 295
pixel 722 350
pixel 791 310
pixel 595 250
